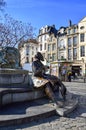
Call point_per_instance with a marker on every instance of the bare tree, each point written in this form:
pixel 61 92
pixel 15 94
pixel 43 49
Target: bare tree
pixel 2 4
pixel 12 31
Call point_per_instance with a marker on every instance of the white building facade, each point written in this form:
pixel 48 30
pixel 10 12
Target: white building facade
pixel 27 51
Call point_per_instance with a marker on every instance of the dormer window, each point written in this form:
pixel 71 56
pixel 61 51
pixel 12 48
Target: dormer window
pixel 74 30
pixel 45 30
pixel 82 27
pixel 40 31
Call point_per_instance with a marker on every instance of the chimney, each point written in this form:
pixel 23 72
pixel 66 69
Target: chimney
pixel 70 23
pixel 53 25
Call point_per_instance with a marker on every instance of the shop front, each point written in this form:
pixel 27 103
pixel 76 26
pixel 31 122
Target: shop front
pixel 77 70
pixel 60 69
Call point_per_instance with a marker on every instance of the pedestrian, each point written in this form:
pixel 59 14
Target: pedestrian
pixel 73 74
pixel 69 76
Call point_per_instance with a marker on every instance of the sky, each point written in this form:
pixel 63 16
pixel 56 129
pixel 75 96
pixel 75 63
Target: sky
pixel 46 12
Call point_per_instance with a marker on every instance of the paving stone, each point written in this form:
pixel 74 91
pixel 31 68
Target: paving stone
pixel 81 128
pixel 45 128
pixel 73 124
pixel 73 128
pixel 31 128
pixel 62 128
pixel 55 126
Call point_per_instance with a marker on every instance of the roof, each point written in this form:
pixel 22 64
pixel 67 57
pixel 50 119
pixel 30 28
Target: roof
pixel 28 41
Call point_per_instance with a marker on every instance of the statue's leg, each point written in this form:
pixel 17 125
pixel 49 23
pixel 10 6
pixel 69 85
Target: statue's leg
pixel 49 92
pixel 57 86
pixel 54 85
pixel 62 89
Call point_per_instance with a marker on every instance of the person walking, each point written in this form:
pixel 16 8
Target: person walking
pixel 69 76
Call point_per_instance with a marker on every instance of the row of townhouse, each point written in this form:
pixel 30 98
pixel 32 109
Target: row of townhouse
pixel 64 48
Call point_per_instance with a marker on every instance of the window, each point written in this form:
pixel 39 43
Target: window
pixel 82 51
pixel 49 57
pixel 45 46
pixel 44 37
pixel 75 53
pixel 74 30
pixel 75 41
pixel 49 47
pixel 69 42
pixel 51 38
pixel 53 57
pixel 69 54
pixel 36 49
pixel 40 31
pixel 62 44
pixel 82 27
pixel 27 51
pixel 45 30
pixel 40 47
pixel 53 46
pixel 82 37
pixel 68 31
pixel 40 39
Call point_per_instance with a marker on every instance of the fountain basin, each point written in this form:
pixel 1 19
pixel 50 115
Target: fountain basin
pixel 14 78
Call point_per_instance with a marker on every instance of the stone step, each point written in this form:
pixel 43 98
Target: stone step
pixel 25 112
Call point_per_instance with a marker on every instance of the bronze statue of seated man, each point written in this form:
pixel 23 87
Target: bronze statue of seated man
pixel 50 82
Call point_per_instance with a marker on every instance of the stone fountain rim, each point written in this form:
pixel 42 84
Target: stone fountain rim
pixel 13 71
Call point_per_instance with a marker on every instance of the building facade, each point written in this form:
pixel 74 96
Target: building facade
pixel 82 44
pixel 27 51
pixel 48 42
pixel 66 48
pixel 73 52
pixel 62 48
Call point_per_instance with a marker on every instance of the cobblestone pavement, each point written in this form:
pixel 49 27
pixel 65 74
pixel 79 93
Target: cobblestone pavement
pixel 74 121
